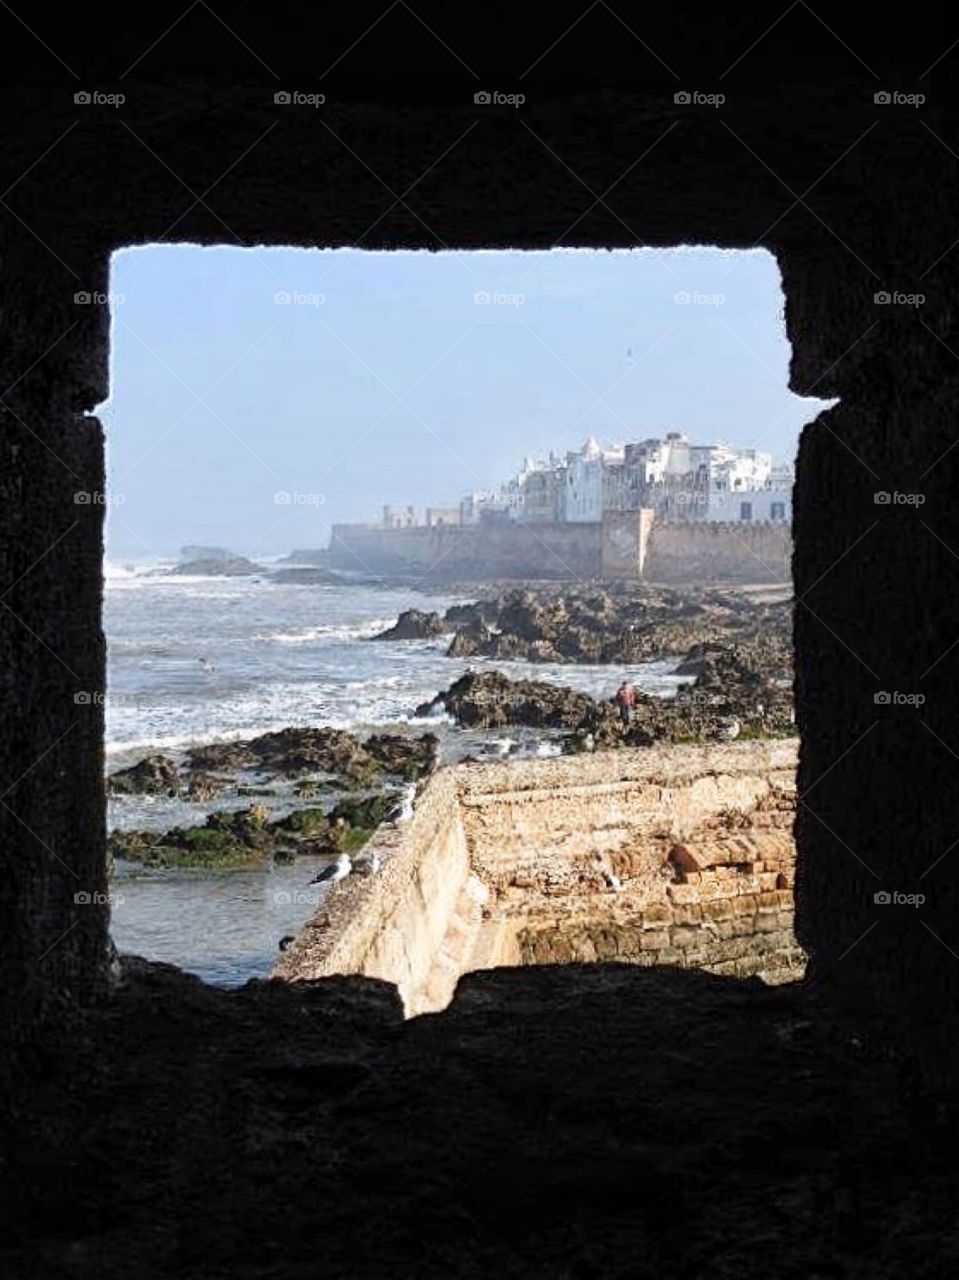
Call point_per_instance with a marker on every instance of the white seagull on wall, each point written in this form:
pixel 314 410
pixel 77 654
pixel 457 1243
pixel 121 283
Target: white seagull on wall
pixel 337 870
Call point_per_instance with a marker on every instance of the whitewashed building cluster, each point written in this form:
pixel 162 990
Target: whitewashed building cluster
pixel 678 480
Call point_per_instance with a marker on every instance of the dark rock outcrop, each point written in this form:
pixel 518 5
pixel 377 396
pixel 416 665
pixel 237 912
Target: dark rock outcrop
pixel 405 757
pixel 229 566
pixel 639 625
pixel 290 752
pixel 414 624
pixel 488 700
pixel 153 775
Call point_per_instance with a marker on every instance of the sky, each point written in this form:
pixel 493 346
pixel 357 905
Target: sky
pixel 259 396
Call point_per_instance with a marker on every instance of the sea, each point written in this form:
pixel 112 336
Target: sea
pixel 204 659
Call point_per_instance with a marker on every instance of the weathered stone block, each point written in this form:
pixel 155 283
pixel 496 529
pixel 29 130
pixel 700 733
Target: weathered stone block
pixel 682 936
pixel 691 913
pixel 655 939
pixel 657 913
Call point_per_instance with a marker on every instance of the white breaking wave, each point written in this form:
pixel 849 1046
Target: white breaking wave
pixel 341 631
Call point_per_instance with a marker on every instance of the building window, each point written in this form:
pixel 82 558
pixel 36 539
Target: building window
pixel 777 511
pixel 745 511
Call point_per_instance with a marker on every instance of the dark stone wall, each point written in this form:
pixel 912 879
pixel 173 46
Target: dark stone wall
pixel 853 198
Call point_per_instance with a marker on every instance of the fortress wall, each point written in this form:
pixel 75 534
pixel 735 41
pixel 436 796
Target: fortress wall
pixel 625 540
pixel 514 550
pixel 511 864
pixel 392 925
pixel 707 551
pixel 627 544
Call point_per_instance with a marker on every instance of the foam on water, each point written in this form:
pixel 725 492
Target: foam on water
pixel 281 654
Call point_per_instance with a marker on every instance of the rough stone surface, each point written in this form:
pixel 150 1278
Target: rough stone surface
pixel 597 1121
pixel 611 857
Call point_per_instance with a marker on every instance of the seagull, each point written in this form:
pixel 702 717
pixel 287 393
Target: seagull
pixel 404 811
pixel 613 881
pixel 369 865
pixel 207 665
pixel 337 870
pixel 728 729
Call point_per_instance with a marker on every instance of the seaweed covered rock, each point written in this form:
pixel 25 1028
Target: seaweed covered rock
pixel 290 752
pixel 226 841
pixel 365 812
pixel 403 756
pixel 153 775
pixel 205 786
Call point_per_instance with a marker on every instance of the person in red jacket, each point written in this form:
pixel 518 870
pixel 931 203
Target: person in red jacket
pixel 626 701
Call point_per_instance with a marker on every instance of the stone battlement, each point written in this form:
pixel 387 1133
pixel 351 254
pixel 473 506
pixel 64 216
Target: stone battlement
pixel 624 545
pixel 676 855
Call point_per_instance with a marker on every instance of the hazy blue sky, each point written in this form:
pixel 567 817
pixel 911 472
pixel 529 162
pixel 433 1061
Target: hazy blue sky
pixel 384 380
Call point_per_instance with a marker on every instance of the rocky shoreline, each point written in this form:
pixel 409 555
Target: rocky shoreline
pixel 306 762
pixel 734 650
pixel 605 627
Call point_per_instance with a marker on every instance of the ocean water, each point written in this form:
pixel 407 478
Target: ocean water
pixel 194 660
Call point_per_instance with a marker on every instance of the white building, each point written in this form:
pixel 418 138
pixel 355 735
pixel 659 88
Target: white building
pixel 677 479
pixel 581 494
